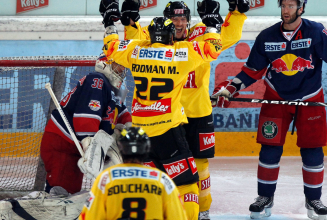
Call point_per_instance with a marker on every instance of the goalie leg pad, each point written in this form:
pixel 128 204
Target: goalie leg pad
pixel 93 161
pixel 60 159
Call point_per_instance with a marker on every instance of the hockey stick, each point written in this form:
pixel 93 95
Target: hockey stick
pixel 278 102
pixel 63 116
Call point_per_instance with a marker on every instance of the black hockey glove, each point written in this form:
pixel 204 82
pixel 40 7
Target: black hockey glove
pixel 209 13
pixel 243 5
pixel 109 10
pixel 130 10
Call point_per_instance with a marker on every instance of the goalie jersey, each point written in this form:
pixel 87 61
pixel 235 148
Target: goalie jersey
pixel 90 106
pixel 160 71
pixel 133 191
pixel 196 88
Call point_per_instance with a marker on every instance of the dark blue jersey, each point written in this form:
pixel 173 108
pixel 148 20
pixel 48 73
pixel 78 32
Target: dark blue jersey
pixel 90 106
pixel 292 63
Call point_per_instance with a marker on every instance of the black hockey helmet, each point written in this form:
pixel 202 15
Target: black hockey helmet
pixel 162 30
pixel 177 9
pixel 300 4
pixel 134 143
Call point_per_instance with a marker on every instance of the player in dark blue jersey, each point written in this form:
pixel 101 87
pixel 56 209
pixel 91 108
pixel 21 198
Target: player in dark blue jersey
pixel 89 107
pixel 290 54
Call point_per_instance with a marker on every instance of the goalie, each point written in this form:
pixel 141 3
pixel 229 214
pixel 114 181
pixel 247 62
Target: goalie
pixel 94 112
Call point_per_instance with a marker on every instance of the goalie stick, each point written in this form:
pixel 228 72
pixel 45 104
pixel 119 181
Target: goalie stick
pixel 62 114
pixel 276 102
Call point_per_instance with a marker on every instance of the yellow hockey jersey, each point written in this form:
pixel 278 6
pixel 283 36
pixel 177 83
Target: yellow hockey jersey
pixel 195 96
pixel 160 71
pixel 133 191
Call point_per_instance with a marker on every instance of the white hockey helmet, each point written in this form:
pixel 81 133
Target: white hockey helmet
pixel 113 71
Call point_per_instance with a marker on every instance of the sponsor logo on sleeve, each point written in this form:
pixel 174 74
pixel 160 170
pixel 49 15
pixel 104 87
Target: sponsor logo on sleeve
pixel 176 168
pixel 94 105
pixel 161 54
pixel 196 47
pixel 198 31
pixel 191 198
pixel 300 44
pixel 135 52
pixel 190 83
pixel 181 54
pixel 123 45
pixel 271 46
pixel 207 140
pixel 163 106
pixel 89 200
pixel 168 183
pixel 104 180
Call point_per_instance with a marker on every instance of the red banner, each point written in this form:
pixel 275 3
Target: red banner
pixel 256 4
pixel 28 5
pixel 145 4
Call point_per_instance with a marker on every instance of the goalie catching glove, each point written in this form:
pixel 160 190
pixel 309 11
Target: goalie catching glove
pixel 130 10
pixel 225 90
pixel 242 5
pixel 96 148
pixel 209 13
pixel 109 10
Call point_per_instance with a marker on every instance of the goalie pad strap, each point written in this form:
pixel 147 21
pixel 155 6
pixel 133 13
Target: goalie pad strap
pixel 20 211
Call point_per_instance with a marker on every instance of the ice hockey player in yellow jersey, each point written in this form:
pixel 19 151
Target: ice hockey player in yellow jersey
pixel 160 68
pixel 199 130
pixel 132 190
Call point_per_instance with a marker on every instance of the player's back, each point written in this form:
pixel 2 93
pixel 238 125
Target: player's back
pixel 133 191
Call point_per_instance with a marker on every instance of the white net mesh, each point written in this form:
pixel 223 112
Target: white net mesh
pixel 24 111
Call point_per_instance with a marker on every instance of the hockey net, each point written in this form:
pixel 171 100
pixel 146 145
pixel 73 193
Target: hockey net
pixel 25 107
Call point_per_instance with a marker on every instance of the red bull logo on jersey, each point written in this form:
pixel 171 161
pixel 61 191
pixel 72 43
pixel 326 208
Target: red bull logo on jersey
pixel 161 54
pixel 176 168
pixel 289 64
pixel 207 140
pixel 300 44
pixel 94 105
pixel 163 106
pixel 272 47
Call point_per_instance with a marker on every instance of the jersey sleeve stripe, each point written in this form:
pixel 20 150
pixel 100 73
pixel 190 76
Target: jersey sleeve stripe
pixel 87 116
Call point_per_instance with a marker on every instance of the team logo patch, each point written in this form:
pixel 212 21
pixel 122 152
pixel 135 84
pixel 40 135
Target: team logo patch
pixel 123 45
pixel 271 47
pixel 269 129
pixel 104 180
pixel 300 44
pixel 89 200
pixel 94 105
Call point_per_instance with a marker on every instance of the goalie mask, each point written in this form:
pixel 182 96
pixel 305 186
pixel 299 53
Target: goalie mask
pixel 134 143
pixel 162 30
pixel 113 71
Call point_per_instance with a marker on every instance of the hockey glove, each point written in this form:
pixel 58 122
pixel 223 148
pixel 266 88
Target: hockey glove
pixel 242 5
pixel 109 10
pixel 222 92
pixel 95 149
pixel 209 13
pixel 130 10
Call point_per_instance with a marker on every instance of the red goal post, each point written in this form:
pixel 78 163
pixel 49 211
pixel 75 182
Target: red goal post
pixel 25 107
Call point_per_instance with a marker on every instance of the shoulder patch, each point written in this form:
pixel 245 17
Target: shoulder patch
pixel 89 200
pixel 196 47
pixel 168 183
pixel 198 31
pixel 324 31
pixel 123 45
pixel 104 180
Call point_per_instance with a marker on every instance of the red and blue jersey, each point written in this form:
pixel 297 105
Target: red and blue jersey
pixel 291 61
pixel 90 106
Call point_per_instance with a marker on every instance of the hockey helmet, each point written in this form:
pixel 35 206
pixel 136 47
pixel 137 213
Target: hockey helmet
pixel 300 3
pixel 134 142
pixel 113 71
pixel 177 9
pixel 162 30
